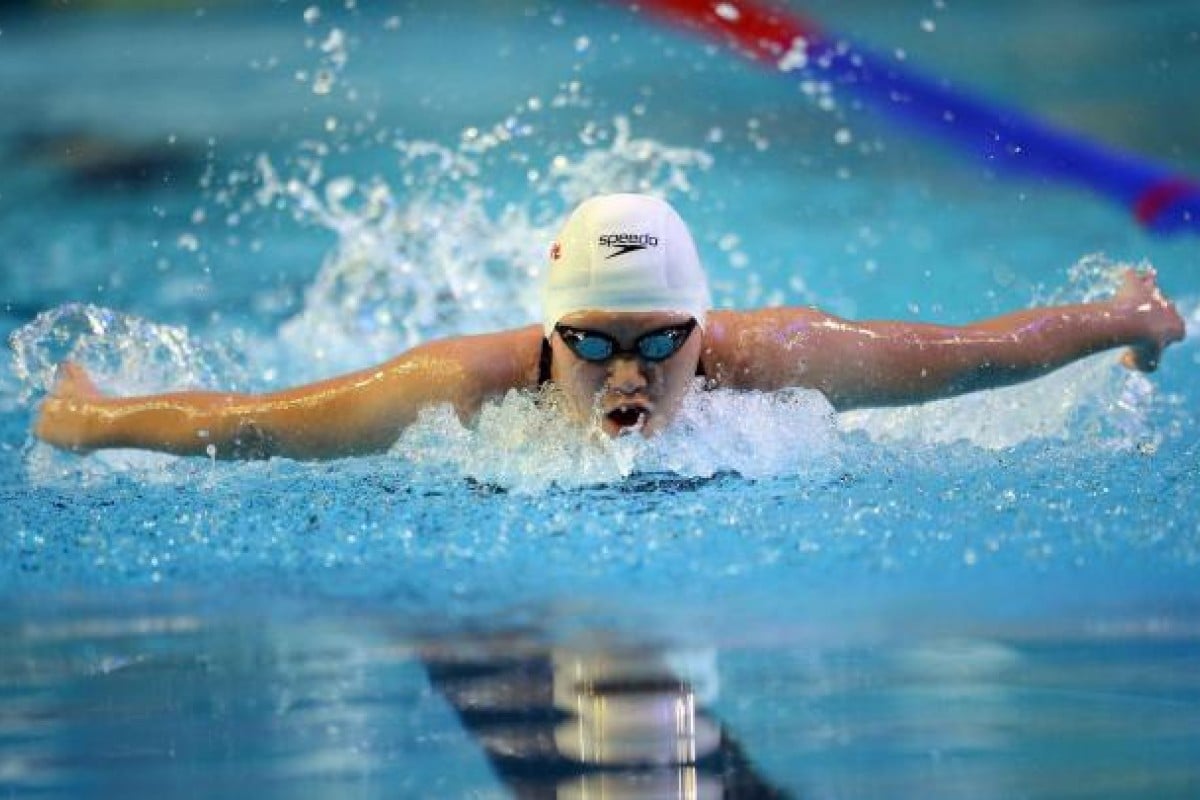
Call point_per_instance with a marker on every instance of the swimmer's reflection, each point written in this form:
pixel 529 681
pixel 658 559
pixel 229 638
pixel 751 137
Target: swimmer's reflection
pixel 600 725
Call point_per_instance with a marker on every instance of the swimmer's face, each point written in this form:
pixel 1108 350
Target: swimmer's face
pixel 627 391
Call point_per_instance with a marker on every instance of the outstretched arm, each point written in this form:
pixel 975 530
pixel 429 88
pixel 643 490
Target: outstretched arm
pixel 859 364
pixel 356 413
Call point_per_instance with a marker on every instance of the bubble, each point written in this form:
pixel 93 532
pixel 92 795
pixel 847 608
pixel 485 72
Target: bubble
pixel 312 15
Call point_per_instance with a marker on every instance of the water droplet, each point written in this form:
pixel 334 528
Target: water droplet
pixel 727 11
pixel 796 57
pixel 323 82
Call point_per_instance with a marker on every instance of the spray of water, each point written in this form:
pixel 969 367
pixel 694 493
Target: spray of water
pixel 525 443
pixel 124 353
pixel 429 256
pixel 1095 397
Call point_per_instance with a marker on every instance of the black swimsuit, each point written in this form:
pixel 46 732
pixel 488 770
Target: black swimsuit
pixel 544 365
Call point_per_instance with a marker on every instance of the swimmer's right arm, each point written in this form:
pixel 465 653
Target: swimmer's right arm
pixel 361 412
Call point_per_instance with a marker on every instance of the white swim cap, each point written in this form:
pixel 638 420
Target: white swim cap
pixel 623 252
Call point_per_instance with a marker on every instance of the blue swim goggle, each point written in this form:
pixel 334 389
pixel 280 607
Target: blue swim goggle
pixel 656 345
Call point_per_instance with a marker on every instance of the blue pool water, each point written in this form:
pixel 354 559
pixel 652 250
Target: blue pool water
pixel 991 596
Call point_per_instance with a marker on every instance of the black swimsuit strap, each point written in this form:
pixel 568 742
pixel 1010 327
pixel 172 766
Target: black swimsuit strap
pixel 544 365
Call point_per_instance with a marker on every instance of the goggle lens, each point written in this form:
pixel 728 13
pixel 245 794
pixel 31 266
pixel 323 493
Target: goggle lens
pixel 657 346
pixel 590 347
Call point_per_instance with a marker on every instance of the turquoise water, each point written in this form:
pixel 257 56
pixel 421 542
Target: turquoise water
pixel 994 596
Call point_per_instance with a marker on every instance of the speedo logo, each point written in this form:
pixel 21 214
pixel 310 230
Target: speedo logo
pixel 623 243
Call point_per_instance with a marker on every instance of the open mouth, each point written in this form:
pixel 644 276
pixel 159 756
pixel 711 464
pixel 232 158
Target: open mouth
pixel 628 416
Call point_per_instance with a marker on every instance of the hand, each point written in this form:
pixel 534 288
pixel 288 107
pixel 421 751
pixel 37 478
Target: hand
pixel 63 419
pixel 1154 316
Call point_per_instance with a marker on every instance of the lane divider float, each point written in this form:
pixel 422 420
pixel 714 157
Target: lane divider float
pixel 1006 139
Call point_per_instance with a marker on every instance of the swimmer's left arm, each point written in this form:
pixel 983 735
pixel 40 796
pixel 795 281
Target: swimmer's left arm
pixel 858 364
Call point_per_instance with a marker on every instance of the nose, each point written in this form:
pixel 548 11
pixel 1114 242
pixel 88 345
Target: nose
pixel 626 376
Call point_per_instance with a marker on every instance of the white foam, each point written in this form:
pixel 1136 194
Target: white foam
pixel 525 443
pixel 1095 396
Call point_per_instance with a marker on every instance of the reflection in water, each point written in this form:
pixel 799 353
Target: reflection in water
pixel 599 724
pixel 176 705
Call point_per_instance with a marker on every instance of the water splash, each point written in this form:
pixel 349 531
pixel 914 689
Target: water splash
pixel 430 254
pixel 124 353
pixel 525 443
pixel 1095 397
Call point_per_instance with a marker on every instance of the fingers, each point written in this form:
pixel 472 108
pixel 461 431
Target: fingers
pixel 72 380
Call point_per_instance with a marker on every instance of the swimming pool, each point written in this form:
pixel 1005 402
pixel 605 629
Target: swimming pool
pixel 994 596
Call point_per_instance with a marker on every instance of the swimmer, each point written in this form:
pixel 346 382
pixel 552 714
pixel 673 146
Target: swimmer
pixel 626 330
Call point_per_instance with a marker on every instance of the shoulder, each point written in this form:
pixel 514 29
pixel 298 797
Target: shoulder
pixel 745 349
pixel 497 361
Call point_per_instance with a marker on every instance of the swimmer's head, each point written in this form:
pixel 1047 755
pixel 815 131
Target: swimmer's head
pixel 624 296
pixel 624 252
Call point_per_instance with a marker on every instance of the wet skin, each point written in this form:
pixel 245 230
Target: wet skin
pixel 625 393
